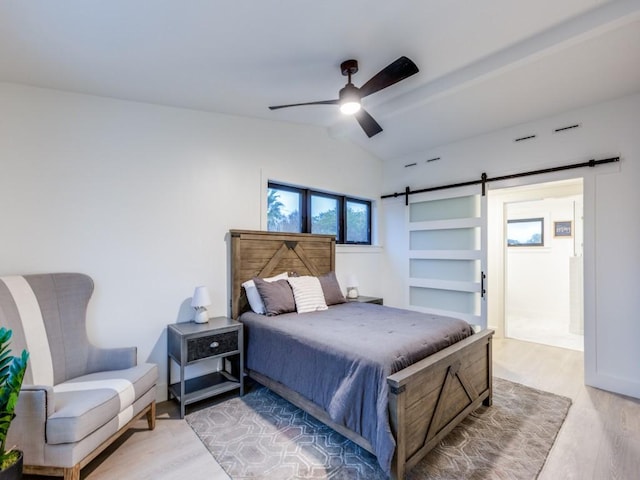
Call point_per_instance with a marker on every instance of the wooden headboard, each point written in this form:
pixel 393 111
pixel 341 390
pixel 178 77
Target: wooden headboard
pixel 264 254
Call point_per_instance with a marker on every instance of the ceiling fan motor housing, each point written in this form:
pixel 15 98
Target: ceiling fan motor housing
pixel 349 93
pixel 349 67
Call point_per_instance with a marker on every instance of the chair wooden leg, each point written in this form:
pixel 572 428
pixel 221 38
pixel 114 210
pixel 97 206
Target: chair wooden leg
pixel 72 473
pixel 151 416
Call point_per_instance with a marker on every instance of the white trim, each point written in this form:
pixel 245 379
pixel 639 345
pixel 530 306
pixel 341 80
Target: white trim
pixel 455 285
pixel 347 248
pixel 445 254
pixel 449 224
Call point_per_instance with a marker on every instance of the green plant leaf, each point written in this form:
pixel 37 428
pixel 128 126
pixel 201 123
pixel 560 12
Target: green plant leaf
pixel 12 370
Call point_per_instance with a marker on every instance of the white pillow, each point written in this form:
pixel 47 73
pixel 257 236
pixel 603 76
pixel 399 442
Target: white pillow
pixel 255 301
pixel 308 294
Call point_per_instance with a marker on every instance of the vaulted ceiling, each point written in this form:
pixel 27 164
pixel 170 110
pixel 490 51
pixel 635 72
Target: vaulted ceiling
pixel 483 65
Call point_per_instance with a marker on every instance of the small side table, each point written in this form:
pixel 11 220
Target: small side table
pixel 189 343
pixel 363 299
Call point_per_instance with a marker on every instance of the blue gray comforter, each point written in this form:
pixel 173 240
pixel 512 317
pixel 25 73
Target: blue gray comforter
pixel 340 359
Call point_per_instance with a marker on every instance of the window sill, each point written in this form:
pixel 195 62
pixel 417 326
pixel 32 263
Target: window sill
pixel 346 248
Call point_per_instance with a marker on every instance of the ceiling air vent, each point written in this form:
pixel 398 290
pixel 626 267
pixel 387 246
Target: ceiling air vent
pixel 528 137
pixel 564 129
pixel 428 160
pixel 410 165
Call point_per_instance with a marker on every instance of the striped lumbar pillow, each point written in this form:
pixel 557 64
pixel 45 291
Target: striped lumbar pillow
pixel 308 294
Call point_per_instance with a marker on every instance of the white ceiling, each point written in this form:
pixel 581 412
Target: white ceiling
pixel 483 65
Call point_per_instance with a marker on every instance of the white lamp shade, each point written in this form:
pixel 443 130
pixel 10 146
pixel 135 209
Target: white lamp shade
pixel 352 281
pixel 201 297
pixel 352 286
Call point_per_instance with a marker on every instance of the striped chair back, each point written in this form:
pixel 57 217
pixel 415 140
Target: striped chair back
pixel 47 313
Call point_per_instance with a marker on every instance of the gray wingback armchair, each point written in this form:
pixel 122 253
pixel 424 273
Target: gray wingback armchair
pixel 76 398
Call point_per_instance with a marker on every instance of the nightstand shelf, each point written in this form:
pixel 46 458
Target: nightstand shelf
pixel 190 343
pixel 205 386
pixel 363 299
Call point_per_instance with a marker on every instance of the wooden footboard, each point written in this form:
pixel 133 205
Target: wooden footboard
pixel 428 399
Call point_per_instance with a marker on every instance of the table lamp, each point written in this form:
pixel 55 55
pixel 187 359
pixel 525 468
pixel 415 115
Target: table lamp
pixel 199 302
pixel 352 286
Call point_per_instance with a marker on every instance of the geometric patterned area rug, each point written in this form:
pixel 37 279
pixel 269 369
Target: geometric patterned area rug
pixel 262 436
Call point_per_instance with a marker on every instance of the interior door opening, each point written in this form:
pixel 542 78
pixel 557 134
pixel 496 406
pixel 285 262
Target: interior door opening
pixel 539 251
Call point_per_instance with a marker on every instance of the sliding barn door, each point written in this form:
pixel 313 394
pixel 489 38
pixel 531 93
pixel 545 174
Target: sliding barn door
pixel 448 254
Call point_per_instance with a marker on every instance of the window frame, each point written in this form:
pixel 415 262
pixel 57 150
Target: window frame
pixel 341 210
pixel 344 218
pixel 339 220
pixel 539 221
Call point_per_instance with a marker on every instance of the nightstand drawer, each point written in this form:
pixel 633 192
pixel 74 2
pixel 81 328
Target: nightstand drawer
pixel 204 347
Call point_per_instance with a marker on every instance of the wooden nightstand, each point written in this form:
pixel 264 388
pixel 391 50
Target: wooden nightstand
pixel 363 299
pixel 190 343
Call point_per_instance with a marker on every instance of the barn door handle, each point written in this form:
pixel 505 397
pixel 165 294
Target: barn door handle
pixel 482 289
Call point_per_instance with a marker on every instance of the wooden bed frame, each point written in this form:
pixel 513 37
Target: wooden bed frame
pixel 426 400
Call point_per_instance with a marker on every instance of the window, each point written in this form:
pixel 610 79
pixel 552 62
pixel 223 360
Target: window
pixel 526 232
pixel 302 210
pixel 358 220
pixel 284 210
pixel 324 214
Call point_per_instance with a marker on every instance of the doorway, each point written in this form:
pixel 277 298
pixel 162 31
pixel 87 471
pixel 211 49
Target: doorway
pixel 539 250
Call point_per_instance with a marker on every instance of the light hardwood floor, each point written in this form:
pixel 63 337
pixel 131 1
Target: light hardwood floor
pixel 600 439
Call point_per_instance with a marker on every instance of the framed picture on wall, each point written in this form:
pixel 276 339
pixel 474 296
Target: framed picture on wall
pixel 525 232
pixel 562 229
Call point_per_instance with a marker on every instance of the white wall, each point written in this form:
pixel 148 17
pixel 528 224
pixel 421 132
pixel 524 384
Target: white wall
pixel 611 226
pixel 141 197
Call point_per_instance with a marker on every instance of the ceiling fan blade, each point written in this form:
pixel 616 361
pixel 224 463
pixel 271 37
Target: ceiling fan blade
pixel 368 124
pixel 322 102
pixel 393 73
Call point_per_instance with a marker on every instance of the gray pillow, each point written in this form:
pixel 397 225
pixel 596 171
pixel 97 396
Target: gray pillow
pixel 331 289
pixel 277 296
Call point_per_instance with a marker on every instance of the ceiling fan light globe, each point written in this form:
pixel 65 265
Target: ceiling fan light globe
pixel 349 108
pixel 349 99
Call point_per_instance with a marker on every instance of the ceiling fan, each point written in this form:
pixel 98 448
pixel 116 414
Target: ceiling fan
pixel 350 96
